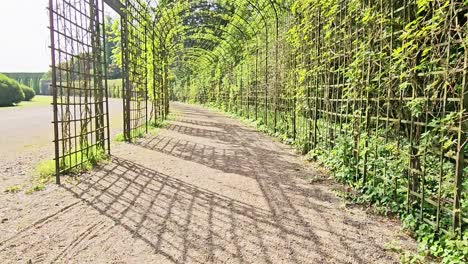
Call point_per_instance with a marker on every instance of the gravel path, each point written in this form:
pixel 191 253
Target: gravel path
pixel 206 189
pixel 26 135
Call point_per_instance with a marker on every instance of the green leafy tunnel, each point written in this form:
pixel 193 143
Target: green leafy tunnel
pixel 374 90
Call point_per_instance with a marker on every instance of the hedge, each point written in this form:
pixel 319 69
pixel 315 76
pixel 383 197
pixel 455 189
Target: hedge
pixel 28 92
pixel 10 91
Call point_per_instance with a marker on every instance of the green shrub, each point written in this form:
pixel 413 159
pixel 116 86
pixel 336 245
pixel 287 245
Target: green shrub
pixel 10 91
pixel 28 93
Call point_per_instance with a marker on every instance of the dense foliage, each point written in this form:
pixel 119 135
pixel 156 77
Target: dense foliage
pixel 112 44
pixel 28 92
pixel 10 91
pixel 30 79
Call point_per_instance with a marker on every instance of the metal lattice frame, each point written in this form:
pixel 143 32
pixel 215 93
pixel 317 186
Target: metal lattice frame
pixel 79 83
pixel 370 110
pixel 135 63
pixel 79 78
pixel 306 93
pixel 326 92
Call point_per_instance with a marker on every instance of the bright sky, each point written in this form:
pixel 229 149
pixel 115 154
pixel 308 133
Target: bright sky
pixel 24 36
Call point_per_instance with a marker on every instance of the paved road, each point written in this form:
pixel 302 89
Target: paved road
pixel 26 135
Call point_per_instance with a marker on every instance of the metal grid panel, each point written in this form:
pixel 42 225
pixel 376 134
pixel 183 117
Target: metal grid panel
pixel 78 81
pixel 371 113
pixel 135 65
pixel 400 121
pixel 398 118
pixel 401 114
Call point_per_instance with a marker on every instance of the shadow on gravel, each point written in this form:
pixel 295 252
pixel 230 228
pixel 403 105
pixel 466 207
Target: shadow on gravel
pixel 189 224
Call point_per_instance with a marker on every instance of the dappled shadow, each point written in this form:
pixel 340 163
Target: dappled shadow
pixel 226 147
pixel 233 148
pixel 188 224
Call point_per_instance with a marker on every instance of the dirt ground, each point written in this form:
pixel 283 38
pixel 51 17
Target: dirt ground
pixel 26 135
pixel 206 189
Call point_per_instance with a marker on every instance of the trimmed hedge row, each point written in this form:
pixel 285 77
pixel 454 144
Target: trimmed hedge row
pixel 28 92
pixel 11 92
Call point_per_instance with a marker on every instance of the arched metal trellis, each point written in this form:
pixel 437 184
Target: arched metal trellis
pixel 79 77
pixel 324 75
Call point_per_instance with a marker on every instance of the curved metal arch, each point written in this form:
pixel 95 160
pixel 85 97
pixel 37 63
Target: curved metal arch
pixel 238 28
pixel 261 15
pixel 173 25
pixel 216 37
pixel 212 48
pixel 164 29
pixel 205 47
pixel 258 10
pixel 198 51
pixel 206 62
pixel 220 37
pixel 206 4
pixel 203 3
pixel 209 47
pixel 208 53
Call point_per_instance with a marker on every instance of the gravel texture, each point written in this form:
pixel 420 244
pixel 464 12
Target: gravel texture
pixel 26 135
pixel 206 189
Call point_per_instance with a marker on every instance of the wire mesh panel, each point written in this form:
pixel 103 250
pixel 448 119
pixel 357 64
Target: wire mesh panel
pixel 385 91
pixel 382 86
pixel 135 66
pixel 78 83
pixel 376 90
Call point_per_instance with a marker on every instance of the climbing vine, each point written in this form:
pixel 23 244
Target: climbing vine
pixel 374 90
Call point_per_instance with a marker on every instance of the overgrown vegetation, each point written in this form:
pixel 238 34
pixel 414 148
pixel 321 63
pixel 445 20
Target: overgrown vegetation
pixel 45 171
pixel 115 88
pixel 36 187
pixel 80 160
pixel 119 137
pixel 13 189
